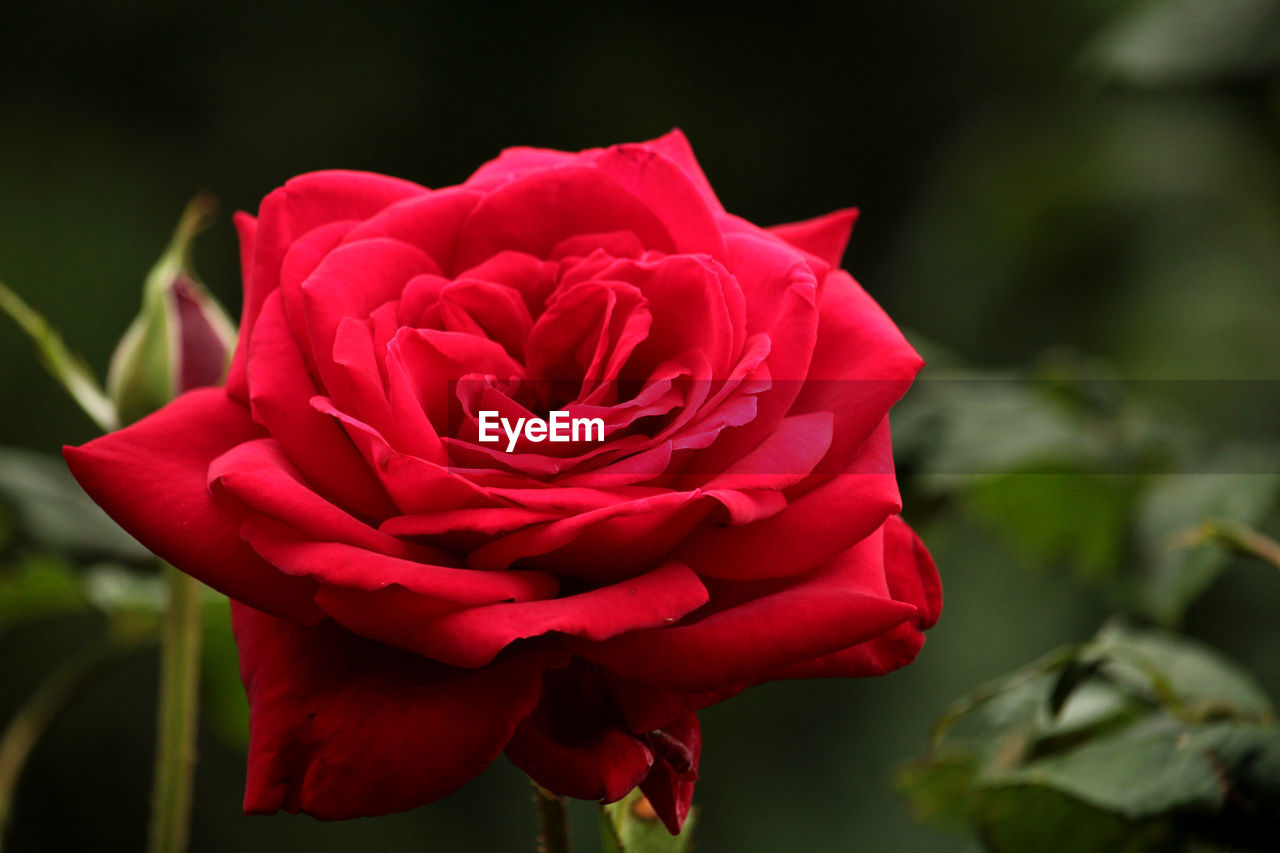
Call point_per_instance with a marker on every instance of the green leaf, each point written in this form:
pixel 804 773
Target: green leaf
pixel 1248 759
pixel 942 790
pixel 1142 771
pixel 1034 819
pixel 1076 517
pixel 1188 41
pixel 629 826
pixel 65 366
pixel 1178 568
pixel 133 601
pixel 1186 677
pixel 50 508
pixel 1132 741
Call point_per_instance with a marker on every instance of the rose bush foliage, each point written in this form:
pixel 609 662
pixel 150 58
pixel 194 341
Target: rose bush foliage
pixel 408 602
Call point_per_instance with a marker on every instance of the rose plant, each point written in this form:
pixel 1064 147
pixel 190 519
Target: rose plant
pixel 409 602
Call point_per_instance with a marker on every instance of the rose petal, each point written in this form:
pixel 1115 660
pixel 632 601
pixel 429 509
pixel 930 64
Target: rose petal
pixel 781 297
pixel 878 656
pixel 574 743
pixel 676 148
pixel 430 222
pixel 751 629
pixel 515 161
pixel 342 727
pixel 151 477
pixel 416 485
pixel 352 281
pixel 304 203
pixel 825 237
pixel 257 474
pixel 536 210
pixel 813 529
pixel 782 459
pixel 280 390
pixel 669 785
pixel 604 544
pixel 475 635
pixel 911 577
pixel 665 188
pixel 911 573
pixel 686 300
pixel 861 366
pixel 338 564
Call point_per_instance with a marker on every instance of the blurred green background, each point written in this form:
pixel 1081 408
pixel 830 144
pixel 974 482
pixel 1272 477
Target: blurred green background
pixel 1094 181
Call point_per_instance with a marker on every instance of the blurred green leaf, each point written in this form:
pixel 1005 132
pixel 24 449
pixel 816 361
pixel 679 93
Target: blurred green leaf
pixel 1077 471
pixel 630 826
pixel 1141 771
pixel 1190 41
pixel 1184 676
pixel 51 509
pixel 1174 571
pixel 1137 740
pixel 133 601
pixel 1034 819
pixel 1078 518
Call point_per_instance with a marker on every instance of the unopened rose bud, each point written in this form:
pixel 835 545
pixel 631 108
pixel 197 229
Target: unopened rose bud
pixel 181 339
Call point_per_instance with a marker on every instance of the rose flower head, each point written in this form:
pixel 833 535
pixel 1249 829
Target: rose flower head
pixel 410 599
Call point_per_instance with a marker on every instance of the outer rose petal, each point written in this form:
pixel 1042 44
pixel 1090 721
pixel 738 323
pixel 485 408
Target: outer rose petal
pixel 912 577
pixel 675 147
pixel 151 477
pixel 512 162
pixel 814 527
pixel 342 727
pixel 473 636
pixel 305 202
pixel 575 743
pixel 753 629
pixel 824 236
pixel 880 656
pixel 861 366
pixel 256 473
pixel 911 573
pixel 338 564
pixel 669 785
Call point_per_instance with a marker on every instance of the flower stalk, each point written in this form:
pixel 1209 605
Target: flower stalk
pixel 553 821
pixel 176 716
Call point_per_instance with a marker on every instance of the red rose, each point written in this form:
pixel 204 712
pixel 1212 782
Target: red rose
pixel 411 601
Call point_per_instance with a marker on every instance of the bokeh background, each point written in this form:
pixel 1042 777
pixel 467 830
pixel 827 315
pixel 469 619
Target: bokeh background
pixel 1095 181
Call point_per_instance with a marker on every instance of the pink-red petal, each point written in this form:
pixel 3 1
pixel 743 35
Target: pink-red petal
pixel 341 727
pixel 152 478
pixel 752 629
pixel 473 636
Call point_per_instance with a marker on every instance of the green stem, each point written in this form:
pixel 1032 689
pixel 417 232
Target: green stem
pixel 176 714
pixel 553 821
pixel 41 709
pixel 64 365
pixel 1242 538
